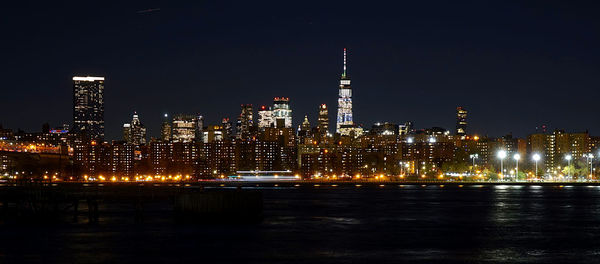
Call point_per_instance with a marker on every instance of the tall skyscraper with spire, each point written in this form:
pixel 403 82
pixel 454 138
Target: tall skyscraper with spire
pixel 345 124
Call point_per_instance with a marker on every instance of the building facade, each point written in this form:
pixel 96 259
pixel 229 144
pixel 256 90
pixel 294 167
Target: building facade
pixel 345 121
pixel 461 121
pixel 135 132
pixel 88 106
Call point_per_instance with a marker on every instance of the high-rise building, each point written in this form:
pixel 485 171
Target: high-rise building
pixel 305 131
pixel 282 113
pixel 245 122
pixel 305 125
pixel 199 128
pixel 461 121
pixel 323 120
pixel 165 129
pixel 554 147
pixel 88 106
pixel 265 118
pixel 214 133
pixel 345 123
pixel 184 128
pixel 227 128
pixel 134 132
pixel 405 128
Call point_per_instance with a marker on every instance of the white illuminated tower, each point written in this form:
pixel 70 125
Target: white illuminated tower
pixel 344 123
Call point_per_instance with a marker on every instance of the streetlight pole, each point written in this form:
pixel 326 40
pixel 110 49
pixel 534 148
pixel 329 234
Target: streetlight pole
pixel 502 155
pixel 401 169
pixel 568 157
pixel 536 158
pixel 591 166
pixel 517 157
pixel 473 157
pixel 590 159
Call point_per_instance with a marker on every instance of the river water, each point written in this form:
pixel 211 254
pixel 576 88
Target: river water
pixel 346 224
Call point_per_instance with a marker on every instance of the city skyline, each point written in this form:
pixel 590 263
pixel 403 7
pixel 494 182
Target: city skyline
pixel 528 62
pixel 300 132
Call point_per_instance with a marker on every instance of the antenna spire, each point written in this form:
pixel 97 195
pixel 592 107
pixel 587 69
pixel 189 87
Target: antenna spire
pixel 344 74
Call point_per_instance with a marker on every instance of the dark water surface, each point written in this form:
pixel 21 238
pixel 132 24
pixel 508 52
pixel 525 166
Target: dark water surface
pixel 390 224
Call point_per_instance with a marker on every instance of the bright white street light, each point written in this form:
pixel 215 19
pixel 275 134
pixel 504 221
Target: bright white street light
pixel 536 158
pixel 502 155
pixel 473 157
pixel 568 157
pixel 590 159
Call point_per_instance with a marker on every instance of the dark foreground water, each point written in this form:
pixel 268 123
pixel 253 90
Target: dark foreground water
pixel 390 224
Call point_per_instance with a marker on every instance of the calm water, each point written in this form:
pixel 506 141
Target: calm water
pixel 391 224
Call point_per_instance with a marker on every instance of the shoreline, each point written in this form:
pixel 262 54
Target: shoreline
pixel 297 183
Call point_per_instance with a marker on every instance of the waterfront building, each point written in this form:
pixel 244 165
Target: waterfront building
pixel 99 159
pixel 554 147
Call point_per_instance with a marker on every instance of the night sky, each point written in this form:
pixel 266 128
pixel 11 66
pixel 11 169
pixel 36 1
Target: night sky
pixel 513 64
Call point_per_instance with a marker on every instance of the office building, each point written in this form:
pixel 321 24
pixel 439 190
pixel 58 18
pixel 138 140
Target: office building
pixel 245 122
pixel 461 121
pixel 134 133
pixel 88 107
pixel 184 128
pixel 165 129
pixel 345 122
pixel 323 125
pixel 282 113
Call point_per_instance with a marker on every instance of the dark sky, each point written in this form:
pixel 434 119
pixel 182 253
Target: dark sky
pixel 513 64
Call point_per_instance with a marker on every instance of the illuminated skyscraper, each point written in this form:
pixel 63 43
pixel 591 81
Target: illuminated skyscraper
pixel 227 128
pixel 282 113
pixel 134 132
pixel 323 120
pixel 199 128
pixel 165 129
pixel 461 121
pixel 345 124
pixel 184 128
pixel 88 106
pixel 305 124
pixel 245 122
pixel 265 118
